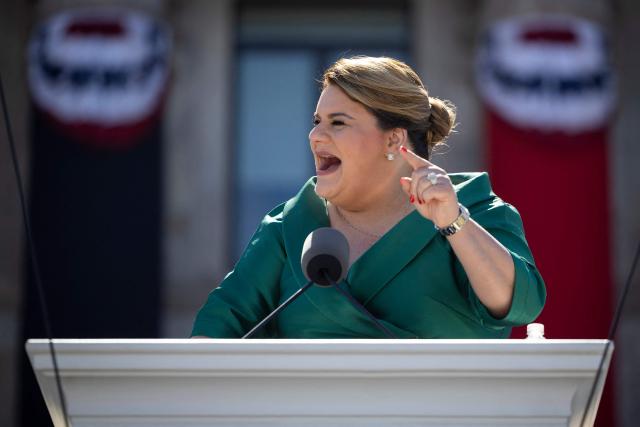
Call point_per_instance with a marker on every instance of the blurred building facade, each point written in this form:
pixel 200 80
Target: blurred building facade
pixel 240 105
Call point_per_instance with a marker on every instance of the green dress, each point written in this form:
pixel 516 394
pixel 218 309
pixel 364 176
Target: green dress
pixel 410 279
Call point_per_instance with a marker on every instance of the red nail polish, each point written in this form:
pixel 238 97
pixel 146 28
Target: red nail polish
pixel 403 148
pixel 412 199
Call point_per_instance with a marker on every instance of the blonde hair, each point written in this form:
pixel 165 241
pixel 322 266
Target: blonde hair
pixel 395 95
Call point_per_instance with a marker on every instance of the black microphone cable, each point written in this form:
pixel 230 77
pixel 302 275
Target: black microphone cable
pixel 612 333
pixel 359 306
pixel 32 254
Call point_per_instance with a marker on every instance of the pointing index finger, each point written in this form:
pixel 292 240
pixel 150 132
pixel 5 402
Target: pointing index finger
pixel 413 159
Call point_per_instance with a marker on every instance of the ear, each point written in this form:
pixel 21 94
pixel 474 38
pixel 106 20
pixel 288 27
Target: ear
pixel 397 137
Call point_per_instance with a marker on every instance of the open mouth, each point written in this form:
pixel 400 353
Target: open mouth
pixel 327 163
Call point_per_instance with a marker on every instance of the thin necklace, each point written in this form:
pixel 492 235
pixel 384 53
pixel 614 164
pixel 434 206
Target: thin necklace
pixel 376 236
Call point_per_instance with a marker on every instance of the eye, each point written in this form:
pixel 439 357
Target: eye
pixel 316 122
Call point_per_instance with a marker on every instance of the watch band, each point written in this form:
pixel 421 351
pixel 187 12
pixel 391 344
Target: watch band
pixel 456 225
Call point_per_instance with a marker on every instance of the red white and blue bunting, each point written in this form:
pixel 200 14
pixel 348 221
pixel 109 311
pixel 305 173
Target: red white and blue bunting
pixel 101 73
pixel 548 72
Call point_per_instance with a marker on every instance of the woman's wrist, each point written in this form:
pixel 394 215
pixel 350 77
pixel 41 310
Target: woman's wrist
pixel 456 225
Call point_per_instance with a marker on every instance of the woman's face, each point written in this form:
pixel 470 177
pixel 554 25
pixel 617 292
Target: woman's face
pixel 349 152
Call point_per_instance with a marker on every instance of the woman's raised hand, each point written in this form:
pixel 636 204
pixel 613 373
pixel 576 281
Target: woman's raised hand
pixel 430 190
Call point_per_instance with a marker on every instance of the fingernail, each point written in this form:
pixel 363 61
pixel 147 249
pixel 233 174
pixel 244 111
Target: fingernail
pixel 403 148
pixel 420 201
pixel 412 199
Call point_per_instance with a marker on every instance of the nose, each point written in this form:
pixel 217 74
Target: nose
pixel 312 133
pixel 317 134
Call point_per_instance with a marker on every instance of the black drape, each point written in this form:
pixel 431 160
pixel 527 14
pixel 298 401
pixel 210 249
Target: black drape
pixel 96 218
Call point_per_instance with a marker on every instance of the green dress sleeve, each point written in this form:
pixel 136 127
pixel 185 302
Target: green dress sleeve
pixel 251 290
pixel 503 222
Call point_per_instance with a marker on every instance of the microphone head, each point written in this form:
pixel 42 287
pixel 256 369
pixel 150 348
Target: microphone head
pixel 325 249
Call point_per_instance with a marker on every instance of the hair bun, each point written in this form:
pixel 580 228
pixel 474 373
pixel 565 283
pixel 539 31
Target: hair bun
pixel 441 121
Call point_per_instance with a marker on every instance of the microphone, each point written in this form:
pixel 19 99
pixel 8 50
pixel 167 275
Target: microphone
pixel 325 251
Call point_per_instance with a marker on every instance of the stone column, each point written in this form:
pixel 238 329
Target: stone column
pixel 199 148
pixel 443 42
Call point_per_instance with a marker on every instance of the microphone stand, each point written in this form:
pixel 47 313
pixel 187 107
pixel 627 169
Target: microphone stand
pixel 275 312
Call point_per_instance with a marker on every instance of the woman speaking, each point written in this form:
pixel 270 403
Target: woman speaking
pixel 432 254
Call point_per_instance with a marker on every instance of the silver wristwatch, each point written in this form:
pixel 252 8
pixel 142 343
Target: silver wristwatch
pixel 456 225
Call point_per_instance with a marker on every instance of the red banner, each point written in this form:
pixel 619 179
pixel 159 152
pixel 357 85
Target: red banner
pixel 549 93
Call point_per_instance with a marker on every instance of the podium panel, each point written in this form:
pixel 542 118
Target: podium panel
pixel 225 382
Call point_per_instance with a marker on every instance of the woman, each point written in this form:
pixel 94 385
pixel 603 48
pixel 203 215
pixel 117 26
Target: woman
pixel 418 262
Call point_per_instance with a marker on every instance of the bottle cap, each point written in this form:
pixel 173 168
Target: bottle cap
pixel 535 330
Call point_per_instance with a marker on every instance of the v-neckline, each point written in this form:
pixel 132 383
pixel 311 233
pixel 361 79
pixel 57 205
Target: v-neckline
pixel 376 244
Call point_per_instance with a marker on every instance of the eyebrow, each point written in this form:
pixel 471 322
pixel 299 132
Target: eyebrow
pixel 334 115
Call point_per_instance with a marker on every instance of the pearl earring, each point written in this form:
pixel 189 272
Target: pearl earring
pixel 390 156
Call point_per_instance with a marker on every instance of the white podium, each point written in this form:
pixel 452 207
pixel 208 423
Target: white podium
pixel 320 382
